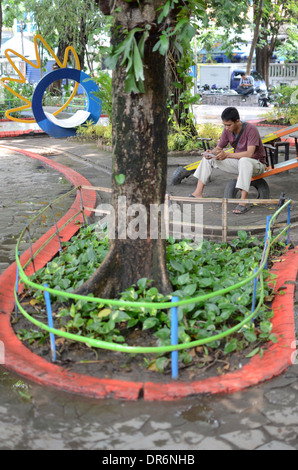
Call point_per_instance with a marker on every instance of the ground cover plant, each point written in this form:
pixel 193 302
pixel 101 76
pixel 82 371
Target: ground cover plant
pixel 194 270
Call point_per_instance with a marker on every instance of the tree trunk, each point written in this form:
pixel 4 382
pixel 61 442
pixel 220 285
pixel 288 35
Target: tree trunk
pixel 258 13
pixel 83 42
pixel 270 27
pixel 140 154
pixel 263 59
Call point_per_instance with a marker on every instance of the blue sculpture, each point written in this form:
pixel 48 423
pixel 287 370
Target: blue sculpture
pixel 62 128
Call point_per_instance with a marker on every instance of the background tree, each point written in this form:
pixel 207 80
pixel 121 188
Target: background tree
pixel 19 10
pixel 258 9
pixel 269 17
pixel 223 24
pixel 15 9
pixel 288 49
pixel 275 15
pixel 65 23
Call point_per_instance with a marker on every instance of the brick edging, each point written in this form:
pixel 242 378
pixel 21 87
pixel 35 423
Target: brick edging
pixel 22 361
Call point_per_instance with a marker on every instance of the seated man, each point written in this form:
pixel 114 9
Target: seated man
pixel 248 159
pixel 246 85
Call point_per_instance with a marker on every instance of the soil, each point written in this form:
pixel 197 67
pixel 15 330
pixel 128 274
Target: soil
pixel 79 358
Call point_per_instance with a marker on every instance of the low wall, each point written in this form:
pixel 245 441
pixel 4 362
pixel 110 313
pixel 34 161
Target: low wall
pixel 229 99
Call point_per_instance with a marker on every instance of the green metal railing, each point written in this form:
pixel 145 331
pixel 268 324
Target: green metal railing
pixel 258 275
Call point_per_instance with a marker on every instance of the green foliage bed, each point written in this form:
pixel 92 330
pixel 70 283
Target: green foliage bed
pixel 194 270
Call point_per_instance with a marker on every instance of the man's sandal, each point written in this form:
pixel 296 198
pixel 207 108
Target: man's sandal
pixel 240 209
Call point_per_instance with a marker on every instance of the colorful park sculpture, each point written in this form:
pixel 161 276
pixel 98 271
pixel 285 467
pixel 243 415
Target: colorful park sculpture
pixel 49 123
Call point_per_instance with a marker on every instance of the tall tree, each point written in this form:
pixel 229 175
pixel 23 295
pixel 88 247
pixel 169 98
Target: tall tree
pixel 66 23
pixel 288 49
pixel 140 39
pixel 258 6
pixel 224 24
pixel 276 14
pixel 269 16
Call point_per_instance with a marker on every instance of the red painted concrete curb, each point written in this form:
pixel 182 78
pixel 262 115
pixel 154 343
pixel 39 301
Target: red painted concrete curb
pixel 18 358
pixel 260 123
pixel 277 358
pixel 10 134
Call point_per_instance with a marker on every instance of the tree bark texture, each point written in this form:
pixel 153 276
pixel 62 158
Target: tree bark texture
pixel 140 154
pixel 265 53
pixel 263 57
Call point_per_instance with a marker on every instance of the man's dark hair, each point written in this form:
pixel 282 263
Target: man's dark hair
pixel 230 114
pixel 242 74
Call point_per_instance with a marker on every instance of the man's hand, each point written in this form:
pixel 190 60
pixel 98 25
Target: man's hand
pixel 221 155
pixel 208 154
pixel 212 153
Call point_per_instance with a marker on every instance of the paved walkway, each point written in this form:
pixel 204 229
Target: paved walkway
pixel 264 417
pixel 88 157
pixel 205 113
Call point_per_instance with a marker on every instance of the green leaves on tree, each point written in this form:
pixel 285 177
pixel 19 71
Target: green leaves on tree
pixel 120 179
pixel 131 53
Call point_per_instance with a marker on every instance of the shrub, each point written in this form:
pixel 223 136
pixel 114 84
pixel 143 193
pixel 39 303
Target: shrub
pixel 181 138
pixel 89 131
pixel 285 100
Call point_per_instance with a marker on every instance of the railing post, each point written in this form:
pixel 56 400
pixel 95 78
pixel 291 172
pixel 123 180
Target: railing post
pixel 166 216
pixel 31 250
pixel 50 322
pixel 174 338
pixel 17 288
pixel 288 223
pixel 254 295
pixel 266 237
pixel 56 226
pixel 224 220
pixel 82 206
